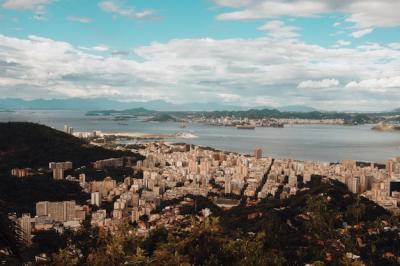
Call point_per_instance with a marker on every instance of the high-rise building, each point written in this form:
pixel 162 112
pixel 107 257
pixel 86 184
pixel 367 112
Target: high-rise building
pixel 68 129
pixel 228 184
pixel 59 168
pixel 355 185
pixel 21 172
pixel 26 227
pixel 42 208
pixel 59 211
pixel 393 167
pixel 135 200
pixel 292 181
pixel 58 174
pixel 95 199
pixel 349 164
pixel 257 153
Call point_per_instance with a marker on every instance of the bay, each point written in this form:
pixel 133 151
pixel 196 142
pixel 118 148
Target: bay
pixel 329 143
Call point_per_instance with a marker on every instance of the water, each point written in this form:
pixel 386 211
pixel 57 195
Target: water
pixel 330 143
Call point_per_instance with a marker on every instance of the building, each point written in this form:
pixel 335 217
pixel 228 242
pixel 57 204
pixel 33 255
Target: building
pixel 355 185
pixel 59 211
pixel 26 228
pixel 68 129
pixel 21 172
pixel 228 185
pixel 59 168
pixel 95 199
pixel 257 153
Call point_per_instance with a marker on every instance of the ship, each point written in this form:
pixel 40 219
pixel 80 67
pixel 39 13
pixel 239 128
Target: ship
pixel 245 127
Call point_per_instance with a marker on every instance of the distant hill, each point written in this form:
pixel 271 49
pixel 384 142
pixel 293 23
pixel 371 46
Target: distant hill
pixel 162 117
pixel 109 104
pixel 297 109
pixel 33 145
pixel 129 112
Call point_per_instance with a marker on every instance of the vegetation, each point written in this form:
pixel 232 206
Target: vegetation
pixel 163 117
pixel 21 194
pixel 33 145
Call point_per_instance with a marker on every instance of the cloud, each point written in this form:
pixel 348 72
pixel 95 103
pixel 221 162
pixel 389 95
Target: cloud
pixel 130 12
pixel 318 84
pixel 37 6
pixel 394 45
pixel 278 29
pixel 79 19
pixel 229 97
pixel 342 43
pixel 361 33
pixel 245 72
pixel 98 48
pixel 120 53
pixel 363 13
pixel 25 4
pixel 376 85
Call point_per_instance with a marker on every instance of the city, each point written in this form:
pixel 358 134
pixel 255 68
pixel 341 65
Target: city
pixel 199 133
pixel 173 176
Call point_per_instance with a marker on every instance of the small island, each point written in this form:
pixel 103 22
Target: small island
pixel 163 117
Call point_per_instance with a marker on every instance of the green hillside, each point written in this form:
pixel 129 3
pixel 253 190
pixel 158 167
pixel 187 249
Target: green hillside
pixel 33 145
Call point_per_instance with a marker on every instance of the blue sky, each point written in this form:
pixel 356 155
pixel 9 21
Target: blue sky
pixel 332 54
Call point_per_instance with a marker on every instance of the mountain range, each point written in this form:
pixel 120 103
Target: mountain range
pixel 108 104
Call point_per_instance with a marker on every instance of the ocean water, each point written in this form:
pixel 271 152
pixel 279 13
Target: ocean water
pixel 329 143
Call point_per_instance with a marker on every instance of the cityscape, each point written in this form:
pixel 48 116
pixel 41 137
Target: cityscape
pixel 204 133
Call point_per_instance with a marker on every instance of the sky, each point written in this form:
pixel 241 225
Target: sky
pixel 327 54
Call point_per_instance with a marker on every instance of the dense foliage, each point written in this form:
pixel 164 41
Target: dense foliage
pixel 33 145
pixel 20 195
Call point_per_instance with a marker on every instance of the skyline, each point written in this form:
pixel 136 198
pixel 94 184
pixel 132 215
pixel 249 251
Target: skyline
pixel 324 54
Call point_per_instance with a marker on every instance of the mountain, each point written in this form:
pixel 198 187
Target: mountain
pixel 297 109
pixel 107 104
pixel 33 145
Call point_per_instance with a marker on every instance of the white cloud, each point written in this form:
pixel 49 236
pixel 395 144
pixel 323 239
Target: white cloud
pixel 318 84
pixel 79 19
pixel 394 45
pixel 25 4
pixel 98 48
pixel 337 24
pixel 229 97
pixel 240 71
pixel 363 13
pixel 278 29
pixel 361 33
pixel 342 43
pixel 130 12
pixel 37 6
pixel 376 85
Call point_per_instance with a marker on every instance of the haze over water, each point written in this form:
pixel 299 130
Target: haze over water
pixel 329 143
